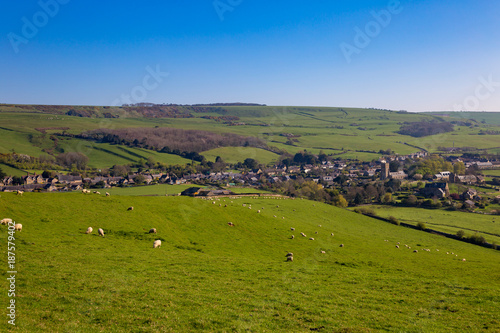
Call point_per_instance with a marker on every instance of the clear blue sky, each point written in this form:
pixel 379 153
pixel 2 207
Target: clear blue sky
pixel 430 56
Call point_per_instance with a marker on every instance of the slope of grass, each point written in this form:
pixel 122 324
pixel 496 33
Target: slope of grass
pixel 208 276
pixel 487 226
pixel 160 189
pixel 239 154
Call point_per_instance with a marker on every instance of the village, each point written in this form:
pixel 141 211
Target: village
pixel 348 177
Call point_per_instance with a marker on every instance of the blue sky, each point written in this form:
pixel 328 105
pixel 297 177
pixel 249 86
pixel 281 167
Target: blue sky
pixel 420 55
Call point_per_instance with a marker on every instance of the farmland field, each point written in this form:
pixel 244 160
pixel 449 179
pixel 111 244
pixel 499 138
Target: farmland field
pixel 487 226
pixel 208 276
pixel 351 133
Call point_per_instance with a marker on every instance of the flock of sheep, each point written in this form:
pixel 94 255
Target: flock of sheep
pixel 85 191
pixel 17 226
pixel 426 250
pixel 100 232
pixel 289 256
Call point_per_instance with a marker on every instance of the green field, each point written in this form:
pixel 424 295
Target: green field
pixel 239 154
pixel 487 226
pixel 211 277
pixel 160 189
pixel 359 133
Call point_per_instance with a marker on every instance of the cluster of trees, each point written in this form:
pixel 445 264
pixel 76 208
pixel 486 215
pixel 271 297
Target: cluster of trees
pixel 307 189
pixel 26 162
pixel 425 128
pixel 172 139
pixel 435 164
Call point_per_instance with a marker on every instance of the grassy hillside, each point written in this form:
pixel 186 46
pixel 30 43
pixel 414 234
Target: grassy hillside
pixel 235 155
pixel 352 133
pixel 208 276
pixel 487 226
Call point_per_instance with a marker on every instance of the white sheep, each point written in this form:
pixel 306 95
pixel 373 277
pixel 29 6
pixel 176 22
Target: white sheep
pixel 18 227
pixel 97 192
pixel 397 246
pixel 341 245
pixel 20 192
pixel 107 194
pixel 258 211
pixel 289 254
pixel 303 234
pixel 6 221
pixel 100 232
pixel 231 224
pixel 311 238
pixel 323 252
pixel 89 230
pixel 293 236
pixel 152 231
pixel 332 234
pixel 293 229
pixel 156 243
pixel 130 208
pixel 415 251
pixel 289 258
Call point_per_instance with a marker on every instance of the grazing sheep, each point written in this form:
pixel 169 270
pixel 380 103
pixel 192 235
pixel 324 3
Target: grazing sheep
pixel 316 232
pixel 277 206
pixel 100 232
pixel 319 225
pixel 89 230
pixel 213 202
pixel 97 192
pixel 289 258
pixel 311 238
pixel 293 236
pixel 20 192
pixel 152 231
pixel 289 254
pixel 283 217
pixel 6 221
pixel 332 234
pixel 397 246
pixel 415 251
pixel 341 245
pixel 225 205
pixel 463 259
pixel 130 208
pixel 323 252
pixel 231 224
pixel 258 211
pixel 107 194
pixel 18 227
pixel 156 243
pixel 293 229
pixel 220 205
pixel 303 234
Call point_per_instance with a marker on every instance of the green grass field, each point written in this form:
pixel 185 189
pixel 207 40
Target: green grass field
pixel 239 154
pixel 487 226
pixel 316 128
pixel 160 189
pixel 211 277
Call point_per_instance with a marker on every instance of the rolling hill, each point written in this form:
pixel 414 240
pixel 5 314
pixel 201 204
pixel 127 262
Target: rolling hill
pixel 208 276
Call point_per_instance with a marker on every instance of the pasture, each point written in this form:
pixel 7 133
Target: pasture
pixel 209 276
pixel 351 133
pixel 487 226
